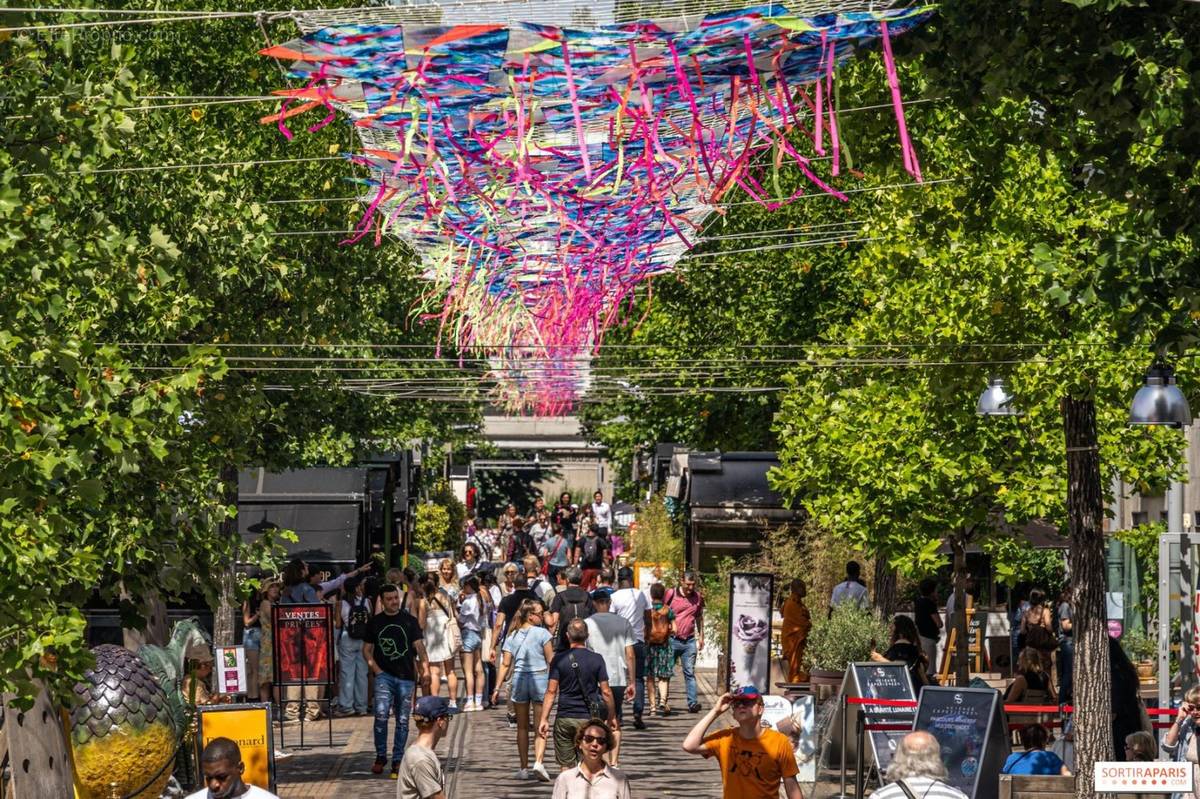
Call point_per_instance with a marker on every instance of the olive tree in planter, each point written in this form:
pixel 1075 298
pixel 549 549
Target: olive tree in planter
pixel 848 635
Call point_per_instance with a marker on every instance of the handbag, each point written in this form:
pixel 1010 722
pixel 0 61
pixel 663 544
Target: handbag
pixel 595 703
pixel 453 633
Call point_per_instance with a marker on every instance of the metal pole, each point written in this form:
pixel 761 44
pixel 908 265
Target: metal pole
pixel 845 710
pixel 859 758
pixel 1164 620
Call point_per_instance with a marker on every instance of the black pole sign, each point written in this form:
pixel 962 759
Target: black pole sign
pixel 969 723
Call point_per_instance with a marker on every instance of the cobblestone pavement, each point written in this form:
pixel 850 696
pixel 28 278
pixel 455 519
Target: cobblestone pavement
pixel 480 757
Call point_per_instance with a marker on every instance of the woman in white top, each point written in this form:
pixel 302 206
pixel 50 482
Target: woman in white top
pixel 472 620
pixel 506 579
pixel 540 528
pixel 448 578
pixel 470 560
pixel 439 644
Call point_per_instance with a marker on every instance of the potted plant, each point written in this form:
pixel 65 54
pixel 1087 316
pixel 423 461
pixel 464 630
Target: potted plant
pixel 847 636
pixel 1141 649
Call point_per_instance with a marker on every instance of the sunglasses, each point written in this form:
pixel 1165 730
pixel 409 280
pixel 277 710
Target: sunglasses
pixel 744 702
pixel 595 739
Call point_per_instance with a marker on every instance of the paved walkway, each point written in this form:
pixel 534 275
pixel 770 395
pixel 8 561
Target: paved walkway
pixel 480 756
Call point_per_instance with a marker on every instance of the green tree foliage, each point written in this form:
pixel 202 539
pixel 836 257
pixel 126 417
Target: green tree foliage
pixel 125 300
pixel 1111 87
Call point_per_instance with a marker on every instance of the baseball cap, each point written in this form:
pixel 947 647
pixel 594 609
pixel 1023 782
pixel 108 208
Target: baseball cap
pixel 625 573
pixel 432 708
pixel 602 593
pixel 747 692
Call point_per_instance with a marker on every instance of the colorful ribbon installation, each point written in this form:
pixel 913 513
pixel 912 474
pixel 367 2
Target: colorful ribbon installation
pixel 543 173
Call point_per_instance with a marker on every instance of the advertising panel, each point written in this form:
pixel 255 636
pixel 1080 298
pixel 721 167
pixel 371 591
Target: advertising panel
pixel 303 641
pixel 229 668
pixel 249 726
pixel 748 644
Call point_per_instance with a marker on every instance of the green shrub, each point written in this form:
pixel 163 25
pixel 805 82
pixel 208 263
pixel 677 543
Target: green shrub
pixel 845 637
pixel 656 538
pixel 432 528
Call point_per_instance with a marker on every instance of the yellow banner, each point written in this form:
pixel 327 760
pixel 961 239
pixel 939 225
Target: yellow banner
pixel 249 726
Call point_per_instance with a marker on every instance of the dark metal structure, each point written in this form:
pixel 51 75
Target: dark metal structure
pixel 727 501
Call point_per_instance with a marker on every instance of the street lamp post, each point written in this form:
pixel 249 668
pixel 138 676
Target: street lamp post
pixel 1160 402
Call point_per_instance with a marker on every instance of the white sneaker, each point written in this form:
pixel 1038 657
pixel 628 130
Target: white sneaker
pixel 522 774
pixel 470 707
pixel 539 771
pixel 280 754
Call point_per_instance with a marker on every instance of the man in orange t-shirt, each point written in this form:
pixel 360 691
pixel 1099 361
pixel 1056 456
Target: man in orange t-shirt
pixel 754 759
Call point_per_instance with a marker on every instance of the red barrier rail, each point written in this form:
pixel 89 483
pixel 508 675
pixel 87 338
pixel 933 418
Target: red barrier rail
pixel 1162 711
pixel 887 727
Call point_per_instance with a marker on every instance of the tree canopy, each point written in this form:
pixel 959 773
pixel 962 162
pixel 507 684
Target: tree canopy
pixel 157 326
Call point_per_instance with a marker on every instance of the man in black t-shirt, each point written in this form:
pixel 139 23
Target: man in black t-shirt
pixel 579 679
pixel 392 647
pixel 570 603
pixel 929 621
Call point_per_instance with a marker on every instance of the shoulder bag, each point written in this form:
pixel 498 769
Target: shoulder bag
pixel 593 700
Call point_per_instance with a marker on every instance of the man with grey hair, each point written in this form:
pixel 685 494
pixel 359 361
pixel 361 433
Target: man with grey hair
pixel 578 679
pixel 917 770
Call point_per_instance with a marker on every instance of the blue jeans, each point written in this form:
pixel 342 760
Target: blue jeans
pixel 352 674
pixel 639 682
pixel 392 692
pixel 685 651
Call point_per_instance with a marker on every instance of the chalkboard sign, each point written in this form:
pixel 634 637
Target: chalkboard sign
pixel 884 681
pixel 969 723
pixel 872 680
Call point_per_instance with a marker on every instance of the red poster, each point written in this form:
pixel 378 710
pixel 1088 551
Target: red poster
pixel 303 639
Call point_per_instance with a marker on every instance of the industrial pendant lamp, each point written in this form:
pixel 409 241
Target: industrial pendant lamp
pixel 1159 401
pixel 995 400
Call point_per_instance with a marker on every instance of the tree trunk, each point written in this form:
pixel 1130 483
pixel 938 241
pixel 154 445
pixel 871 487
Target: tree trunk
pixel 962 662
pixel 1085 511
pixel 224 617
pixel 885 588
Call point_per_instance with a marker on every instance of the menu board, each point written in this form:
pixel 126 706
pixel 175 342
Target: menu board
pixel 969 723
pixel 884 681
pixel 870 680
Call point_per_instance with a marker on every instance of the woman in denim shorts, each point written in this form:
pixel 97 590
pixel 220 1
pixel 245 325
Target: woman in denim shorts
pixel 527 654
pixel 471 622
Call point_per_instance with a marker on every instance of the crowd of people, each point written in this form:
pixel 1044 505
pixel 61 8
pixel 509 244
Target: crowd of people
pixel 556 636
pixel 535 618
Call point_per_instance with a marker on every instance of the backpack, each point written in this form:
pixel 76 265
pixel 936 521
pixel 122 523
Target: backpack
pixel 660 626
pixel 591 549
pixel 358 621
pixel 572 610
